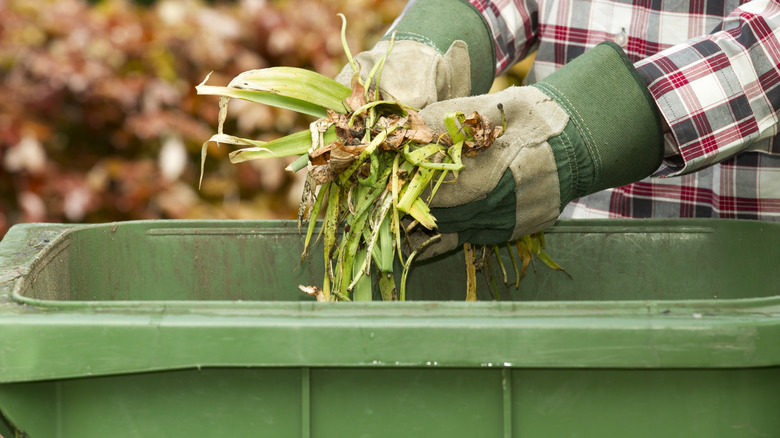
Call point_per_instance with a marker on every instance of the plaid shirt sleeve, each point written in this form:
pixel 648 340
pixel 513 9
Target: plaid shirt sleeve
pixel 514 26
pixel 713 68
pixel 719 93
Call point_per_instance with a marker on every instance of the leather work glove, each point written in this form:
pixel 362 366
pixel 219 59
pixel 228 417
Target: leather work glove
pixel 435 76
pixel 589 126
pixel 431 63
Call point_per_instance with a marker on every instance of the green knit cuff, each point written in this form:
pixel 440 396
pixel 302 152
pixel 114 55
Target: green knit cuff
pixel 439 23
pixel 614 133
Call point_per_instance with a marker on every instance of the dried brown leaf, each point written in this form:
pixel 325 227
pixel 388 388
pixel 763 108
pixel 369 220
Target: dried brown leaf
pixel 482 132
pixel 422 135
pixel 358 97
pixel 322 174
pixel 470 149
pixel 403 176
pixel 342 156
pixel 313 291
pixel 391 121
pixel 321 155
pixel 416 121
pixel 394 140
pixel 354 149
pixel 333 116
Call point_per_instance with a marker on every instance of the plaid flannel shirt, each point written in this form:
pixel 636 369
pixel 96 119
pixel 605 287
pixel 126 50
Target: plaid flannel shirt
pixel 712 67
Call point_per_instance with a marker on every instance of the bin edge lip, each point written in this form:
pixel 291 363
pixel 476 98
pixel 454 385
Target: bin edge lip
pixel 767 306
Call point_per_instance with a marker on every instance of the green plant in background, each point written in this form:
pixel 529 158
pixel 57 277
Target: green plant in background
pixel 375 161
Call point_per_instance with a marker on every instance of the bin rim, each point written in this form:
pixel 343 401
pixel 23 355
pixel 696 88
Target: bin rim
pixel 52 340
pixel 754 305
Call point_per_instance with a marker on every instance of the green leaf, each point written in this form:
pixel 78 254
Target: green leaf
pixel 224 139
pixel 542 255
pixel 451 122
pixel 315 212
pixel 300 163
pixel 422 214
pixel 265 97
pixel 292 88
pixel 414 188
pixel 361 291
pixel 293 144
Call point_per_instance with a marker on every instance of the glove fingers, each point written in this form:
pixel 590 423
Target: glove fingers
pixel 414 73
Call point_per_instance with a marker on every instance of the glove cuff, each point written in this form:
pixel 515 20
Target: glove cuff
pixel 439 23
pixel 614 136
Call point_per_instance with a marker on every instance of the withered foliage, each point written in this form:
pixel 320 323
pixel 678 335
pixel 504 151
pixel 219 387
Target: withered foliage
pixel 409 127
pixel 482 130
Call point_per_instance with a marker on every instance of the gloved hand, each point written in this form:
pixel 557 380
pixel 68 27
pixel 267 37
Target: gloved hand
pixel 415 74
pixel 432 60
pixel 589 126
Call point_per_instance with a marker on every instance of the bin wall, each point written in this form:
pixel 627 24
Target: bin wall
pixel 196 328
pixel 388 402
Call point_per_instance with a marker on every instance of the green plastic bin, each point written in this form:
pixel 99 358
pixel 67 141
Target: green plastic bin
pixel 668 328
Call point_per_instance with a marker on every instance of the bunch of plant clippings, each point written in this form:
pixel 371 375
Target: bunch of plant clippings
pixel 373 165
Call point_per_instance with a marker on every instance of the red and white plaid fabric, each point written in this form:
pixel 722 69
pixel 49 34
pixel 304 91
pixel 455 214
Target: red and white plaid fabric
pixel 713 67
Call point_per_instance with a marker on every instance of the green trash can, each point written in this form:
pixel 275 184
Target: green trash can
pixel 667 328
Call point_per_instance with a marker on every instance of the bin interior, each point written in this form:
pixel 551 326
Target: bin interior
pixel 260 261
pixel 521 370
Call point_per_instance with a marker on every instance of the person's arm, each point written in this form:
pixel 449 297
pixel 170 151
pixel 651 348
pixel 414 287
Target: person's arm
pixel 562 141
pixel 719 94
pixel 514 26
pixel 441 23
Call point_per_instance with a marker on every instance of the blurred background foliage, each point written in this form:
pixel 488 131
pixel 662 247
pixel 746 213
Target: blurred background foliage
pixel 99 120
